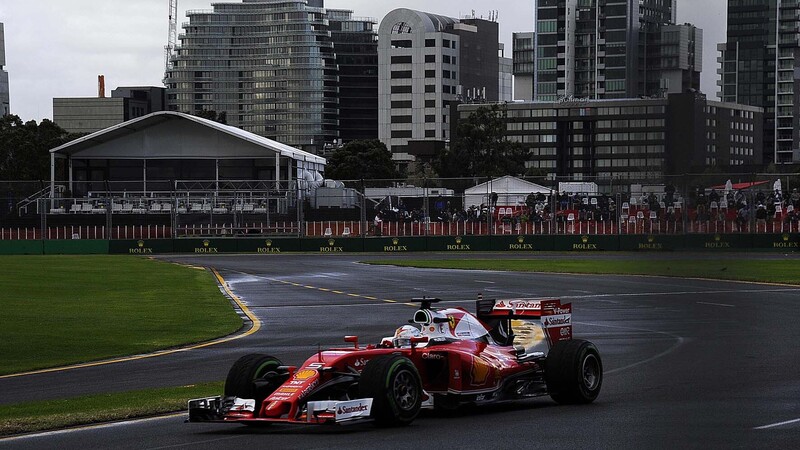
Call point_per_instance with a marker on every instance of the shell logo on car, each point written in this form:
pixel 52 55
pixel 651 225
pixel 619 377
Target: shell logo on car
pixel 304 374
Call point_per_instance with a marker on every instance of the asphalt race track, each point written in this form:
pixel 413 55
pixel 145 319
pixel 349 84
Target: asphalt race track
pixel 688 363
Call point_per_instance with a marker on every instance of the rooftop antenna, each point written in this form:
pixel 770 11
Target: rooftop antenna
pixel 173 34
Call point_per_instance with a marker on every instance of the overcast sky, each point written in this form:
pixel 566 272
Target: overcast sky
pixel 56 48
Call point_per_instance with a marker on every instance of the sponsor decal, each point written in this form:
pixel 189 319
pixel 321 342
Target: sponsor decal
pixel 585 244
pixel 395 247
pixel 518 305
pixel 433 356
pixel 309 388
pixel 287 390
pixel 785 242
pixel 206 248
pixel 331 248
pixel 557 321
pixel 268 248
pixel 717 243
pixel 463 334
pixel 456 374
pixel 360 362
pixel 458 246
pixel 140 249
pixel 651 244
pixel 305 374
pixel 353 409
pixel 520 245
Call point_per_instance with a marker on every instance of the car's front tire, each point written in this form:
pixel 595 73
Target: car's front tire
pixel 394 384
pixel 255 377
pixel 574 372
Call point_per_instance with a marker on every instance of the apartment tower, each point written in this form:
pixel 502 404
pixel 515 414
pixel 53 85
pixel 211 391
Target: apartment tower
pixel 760 66
pixel 269 65
pixel 596 49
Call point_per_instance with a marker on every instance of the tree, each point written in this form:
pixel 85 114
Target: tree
pixel 25 147
pixel 480 148
pixel 368 160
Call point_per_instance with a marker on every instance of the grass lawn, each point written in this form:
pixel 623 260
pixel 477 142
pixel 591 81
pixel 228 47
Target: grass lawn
pixel 59 310
pixel 773 271
pixel 52 414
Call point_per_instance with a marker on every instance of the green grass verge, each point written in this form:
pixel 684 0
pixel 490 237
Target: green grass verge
pixel 771 271
pixel 54 414
pixel 59 310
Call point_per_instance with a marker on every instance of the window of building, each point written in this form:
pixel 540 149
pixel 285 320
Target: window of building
pixel 430 74
pixel 401 89
pixel 401 74
pixel 402 59
pixel 430 88
pixel 401 119
pixel 430 42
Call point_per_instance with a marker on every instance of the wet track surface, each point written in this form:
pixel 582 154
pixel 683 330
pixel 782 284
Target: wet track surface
pixel 688 363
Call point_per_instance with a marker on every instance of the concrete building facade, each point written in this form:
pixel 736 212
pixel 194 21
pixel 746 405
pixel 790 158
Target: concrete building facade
pixel 632 139
pixel 596 49
pixel 5 96
pixel 427 61
pixel 760 66
pixel 268 64
pixel 88 115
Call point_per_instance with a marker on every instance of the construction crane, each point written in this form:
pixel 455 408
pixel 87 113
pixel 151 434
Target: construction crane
pixel 173 34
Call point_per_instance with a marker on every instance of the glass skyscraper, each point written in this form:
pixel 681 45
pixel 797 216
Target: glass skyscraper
pixel 269 65
pixel 760 66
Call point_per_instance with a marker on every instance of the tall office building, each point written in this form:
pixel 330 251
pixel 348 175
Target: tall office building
pixel 427 61
pixel 268 64
pixel 5 101
pixel 355 42
pixel 599 49
pixel 760 66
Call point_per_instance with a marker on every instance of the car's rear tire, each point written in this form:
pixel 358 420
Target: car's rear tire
pixel 574 372
pixel 394 384
pixel 254 376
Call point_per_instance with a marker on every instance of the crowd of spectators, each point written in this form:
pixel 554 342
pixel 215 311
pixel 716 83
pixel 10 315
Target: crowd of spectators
pixel 738 206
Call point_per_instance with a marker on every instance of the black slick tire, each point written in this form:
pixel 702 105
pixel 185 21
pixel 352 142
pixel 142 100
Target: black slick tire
pixel 246 371
pixel 394 384
pixel 574 372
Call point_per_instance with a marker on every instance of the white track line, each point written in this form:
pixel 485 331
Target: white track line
pixel 773 425
pixel 89 427
pixel 716 304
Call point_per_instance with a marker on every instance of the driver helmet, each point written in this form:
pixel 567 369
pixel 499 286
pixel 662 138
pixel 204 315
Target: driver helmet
pixel 403 335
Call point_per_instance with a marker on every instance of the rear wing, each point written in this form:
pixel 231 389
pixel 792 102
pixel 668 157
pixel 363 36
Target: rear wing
pixel 554 318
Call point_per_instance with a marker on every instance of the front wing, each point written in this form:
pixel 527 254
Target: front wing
pixel 237 410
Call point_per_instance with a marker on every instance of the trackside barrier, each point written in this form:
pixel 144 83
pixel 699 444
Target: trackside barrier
pixel 785 242
pixel 22 247
pixel 76 247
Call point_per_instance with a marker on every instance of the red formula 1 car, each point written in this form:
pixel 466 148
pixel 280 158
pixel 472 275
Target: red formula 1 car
pixel 511 349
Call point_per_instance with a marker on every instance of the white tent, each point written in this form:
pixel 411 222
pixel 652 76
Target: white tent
pixel 511 191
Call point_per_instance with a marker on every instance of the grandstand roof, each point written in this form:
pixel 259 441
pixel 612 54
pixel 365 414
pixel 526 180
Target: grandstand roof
pixel 174 135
